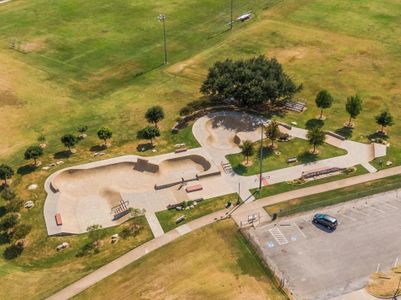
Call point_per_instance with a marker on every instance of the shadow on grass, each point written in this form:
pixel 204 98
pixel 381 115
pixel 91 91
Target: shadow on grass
pixel 240 169
pixel 62 154
pixel 266 152
pixel 4 238
pixel 2 211
pixel 12 252
pixel 145 147
pixel 378 135
pixel 98 148
pixel 346 132
pixel 313 123
pixel 307 157
pixel 27 169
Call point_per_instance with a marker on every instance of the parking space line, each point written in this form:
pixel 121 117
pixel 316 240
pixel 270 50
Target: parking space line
pixel 359 212
pixel 392 206
pixel 346 216
pixel 299 229
pixel 379 210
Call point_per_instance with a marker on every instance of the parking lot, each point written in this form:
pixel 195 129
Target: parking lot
pixel 319 264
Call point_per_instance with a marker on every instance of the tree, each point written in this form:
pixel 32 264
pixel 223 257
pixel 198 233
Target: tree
pixel 105 134
pixel 150 133
pixel 273 132
pixel 9 221
pixel 247 149
pixel 323 100
pixel 95 232
pixel 82 129
pixel 251 82
pixel 69 140
pixel 384 119
pixel 316 137
pixel 154 115
pixel 33 152
pixel 6 172
pixel 353 107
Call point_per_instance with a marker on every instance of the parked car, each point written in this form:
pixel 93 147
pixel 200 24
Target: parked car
pixel 325 220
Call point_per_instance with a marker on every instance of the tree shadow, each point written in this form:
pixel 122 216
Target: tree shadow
pixel 346 132
pixel 145 147
pixel 378 135
pixel 313 123
pixel 307 157
pixel 266 152
pixel 3 211
pixel 98 148
pixel 4 238
pixel 12 252
pixel 62 154
pixel 240 169
pixel 27 169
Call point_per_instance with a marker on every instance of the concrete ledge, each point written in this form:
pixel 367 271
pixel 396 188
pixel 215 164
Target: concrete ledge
pixel 336 135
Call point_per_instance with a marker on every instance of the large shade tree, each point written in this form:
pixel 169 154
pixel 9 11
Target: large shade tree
pixel 69 140
pixel 323 100
pixel 105 134
pixel 316 137
pixel 384 119
pixel 150 133
pixel 154 115
pixel 353 107
pixel 33 152
pixel 6 172
pixel 247 149
pixel 251 82
pixel 273 132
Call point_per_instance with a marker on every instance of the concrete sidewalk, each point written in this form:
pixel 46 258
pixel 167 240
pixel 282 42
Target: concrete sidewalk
pixel 246 209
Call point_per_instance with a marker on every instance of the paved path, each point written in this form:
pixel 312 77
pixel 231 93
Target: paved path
pixel 154 224
pixel 238 215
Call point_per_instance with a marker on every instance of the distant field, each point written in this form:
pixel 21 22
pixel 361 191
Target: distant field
pixel 224 267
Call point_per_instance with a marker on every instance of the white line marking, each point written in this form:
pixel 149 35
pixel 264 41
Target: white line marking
pixel 359 212
pixel 392 206
pixel 396 262
pixel 378 267
pixel 278 236
pixel 299 229
pixel 351 218
pixel 382 211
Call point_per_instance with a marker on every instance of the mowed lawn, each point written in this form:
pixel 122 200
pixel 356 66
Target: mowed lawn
pixel 297 148
pixel 214 262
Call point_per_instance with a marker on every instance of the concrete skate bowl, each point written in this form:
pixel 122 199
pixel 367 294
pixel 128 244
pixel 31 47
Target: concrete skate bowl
pixel 226 131
pixel 107 182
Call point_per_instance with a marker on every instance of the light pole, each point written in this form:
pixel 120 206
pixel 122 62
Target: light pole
pixel 231 13
pixel 162 18
pixel 261 156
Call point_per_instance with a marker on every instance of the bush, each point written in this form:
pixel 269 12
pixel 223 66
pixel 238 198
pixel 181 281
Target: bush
pixel 8 194
pixel 21 231
pixel 14 205
pixel 132 230
pixel 12 252
pixel 9 221
pixel 186 111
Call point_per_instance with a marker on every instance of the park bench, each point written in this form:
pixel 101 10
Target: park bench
pixel 292 160
pixel 179 150
pixel 180 219
pixel 58 219
pixel 194 188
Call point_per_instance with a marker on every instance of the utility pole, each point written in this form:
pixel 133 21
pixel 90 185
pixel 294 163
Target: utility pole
pixel 231 13
pixel 162 18
pixel 261 156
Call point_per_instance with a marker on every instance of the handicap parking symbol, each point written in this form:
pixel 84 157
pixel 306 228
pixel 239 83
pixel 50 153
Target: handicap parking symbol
pixel 270 244
pixel 294 238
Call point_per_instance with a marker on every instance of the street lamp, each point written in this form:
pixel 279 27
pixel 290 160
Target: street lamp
pixel 231 13
pixel 162 18
pixel 261 155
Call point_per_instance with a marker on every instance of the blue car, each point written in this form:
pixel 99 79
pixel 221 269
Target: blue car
pixel 325 220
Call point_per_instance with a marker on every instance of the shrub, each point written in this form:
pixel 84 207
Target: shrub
pixel 21 231
pixel 14 205
pixel 8 194
pixel 132 230
pixel 9 221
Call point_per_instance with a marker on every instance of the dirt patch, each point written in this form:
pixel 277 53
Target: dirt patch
pixel 290 54
pixel 36 45
pixel 8 98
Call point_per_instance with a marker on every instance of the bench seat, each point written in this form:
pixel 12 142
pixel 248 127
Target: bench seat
pixel 58 219
pixel 194 188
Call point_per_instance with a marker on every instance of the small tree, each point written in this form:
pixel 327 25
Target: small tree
pixel 353 107
pixel 82 130
pixel 273 132
pixel 9 221
pixel 6 172
pixel 69 140
pixel 384 119
pixel 323 100
pixel 33 152
pixel 247 149
pixel 154 115
pixel 150 133
pixel 105 134
pixel 95 232
pixel 316 137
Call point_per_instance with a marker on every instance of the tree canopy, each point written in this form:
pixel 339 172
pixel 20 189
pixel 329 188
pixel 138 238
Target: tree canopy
pixel 33 152
pixel 247 149
pixel 353 107
pixel 273 132
pixel 150 132
pixel 316 137
pixel 104 134
pixel 384 119
pixel 251 82
pixel 69 140
pixel 6 172
pixel 154 115
pixel 323 100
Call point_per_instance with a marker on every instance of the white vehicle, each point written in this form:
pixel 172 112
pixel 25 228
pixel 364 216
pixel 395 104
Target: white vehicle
pixel 244 17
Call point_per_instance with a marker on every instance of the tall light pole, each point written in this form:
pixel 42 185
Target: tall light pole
pixel 261 156
pixel 162 18
pixel 231 13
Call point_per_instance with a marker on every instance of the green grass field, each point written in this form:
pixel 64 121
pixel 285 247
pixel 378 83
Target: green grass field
pixel 295 148
pixel 99 65
pixel 224 267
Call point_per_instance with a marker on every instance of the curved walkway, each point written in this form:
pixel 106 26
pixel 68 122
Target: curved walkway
pixel 246 209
